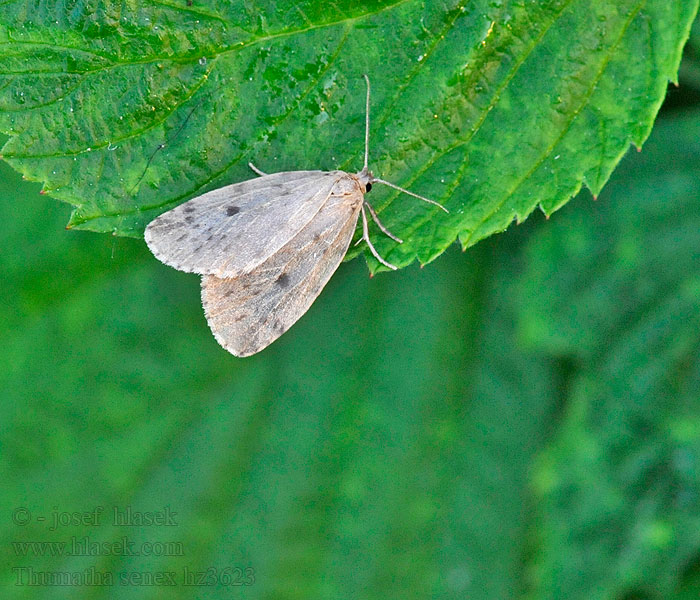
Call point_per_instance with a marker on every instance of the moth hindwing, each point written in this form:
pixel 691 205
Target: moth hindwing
pixel 249 312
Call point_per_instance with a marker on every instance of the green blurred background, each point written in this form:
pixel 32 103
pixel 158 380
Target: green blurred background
pixel 518 421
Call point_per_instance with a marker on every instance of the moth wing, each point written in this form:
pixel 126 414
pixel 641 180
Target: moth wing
pixel 231 230
pixel 249 312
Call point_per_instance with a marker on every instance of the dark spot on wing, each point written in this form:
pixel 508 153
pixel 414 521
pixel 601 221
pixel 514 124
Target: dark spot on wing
pixel 228 293
pixel 182 237
pixel 240 317
pixel 232 210
pixel 167 226
pixel 278 327
pixel 189 218
pixel 283 280
pixel 317 236
pixel 189 209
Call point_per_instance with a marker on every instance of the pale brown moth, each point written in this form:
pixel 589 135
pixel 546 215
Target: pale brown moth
pixel 266 247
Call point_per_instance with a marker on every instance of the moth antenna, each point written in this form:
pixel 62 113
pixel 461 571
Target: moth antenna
pixel 375 218
pixel 365 236
pixel 365 167
pixel 161 146
pixel 405 191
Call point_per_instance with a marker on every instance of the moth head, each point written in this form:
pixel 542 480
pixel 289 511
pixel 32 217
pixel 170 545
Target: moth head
pixel 365 179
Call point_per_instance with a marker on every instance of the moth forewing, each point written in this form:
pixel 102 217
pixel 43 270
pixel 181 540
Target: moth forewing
pixel 249 312
pixel 232 230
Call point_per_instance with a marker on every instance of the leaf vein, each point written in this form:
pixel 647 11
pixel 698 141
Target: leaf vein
pixel 566 128
pixel 131 135
pixel 67 92
pixel 190 10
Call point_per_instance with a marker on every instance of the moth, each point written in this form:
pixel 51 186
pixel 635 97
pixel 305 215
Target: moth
pixel 266 247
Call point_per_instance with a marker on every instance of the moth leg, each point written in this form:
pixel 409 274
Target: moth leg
pixel 365 236
pixel 375 218
pixel 258 171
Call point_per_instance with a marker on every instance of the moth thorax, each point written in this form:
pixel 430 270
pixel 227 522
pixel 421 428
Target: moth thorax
pixel 364 178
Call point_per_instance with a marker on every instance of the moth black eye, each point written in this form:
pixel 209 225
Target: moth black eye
pixel 368 188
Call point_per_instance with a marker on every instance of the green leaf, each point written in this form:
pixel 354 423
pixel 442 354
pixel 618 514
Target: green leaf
pixel 618 297
pixel 492 108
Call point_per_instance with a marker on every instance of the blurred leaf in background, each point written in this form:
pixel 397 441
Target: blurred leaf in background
pixel 618 296
pixel 516 422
